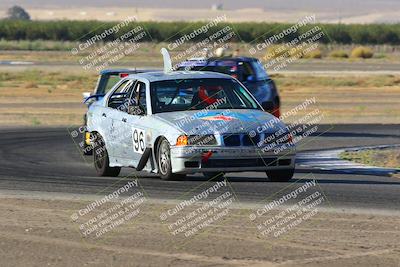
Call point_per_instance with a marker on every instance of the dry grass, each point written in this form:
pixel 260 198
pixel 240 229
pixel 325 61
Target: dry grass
pixel 347 99
pixel 362 52
pixel 55 98
pixel 314 53
pixel 42 98
pixel 339 54
pixel 389 158
pixel 148 54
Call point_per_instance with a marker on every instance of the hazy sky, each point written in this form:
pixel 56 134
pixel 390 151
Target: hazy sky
pixel 309 5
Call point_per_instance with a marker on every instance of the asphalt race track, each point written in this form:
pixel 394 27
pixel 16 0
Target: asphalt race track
pixel 46 160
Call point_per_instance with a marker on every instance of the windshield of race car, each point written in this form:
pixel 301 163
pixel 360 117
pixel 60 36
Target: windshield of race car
pixel 197 94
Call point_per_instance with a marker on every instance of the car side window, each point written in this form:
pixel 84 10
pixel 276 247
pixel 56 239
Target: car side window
pixel 138 97
pixel 118 97
pixel 259 70
pixel 247 71
pixel 142 95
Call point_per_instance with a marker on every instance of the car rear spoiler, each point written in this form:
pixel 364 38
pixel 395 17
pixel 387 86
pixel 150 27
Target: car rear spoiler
pixel 97 96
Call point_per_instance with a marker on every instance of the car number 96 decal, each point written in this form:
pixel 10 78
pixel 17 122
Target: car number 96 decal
pixel 139 142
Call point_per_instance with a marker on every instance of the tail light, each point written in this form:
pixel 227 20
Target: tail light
pixel 276 112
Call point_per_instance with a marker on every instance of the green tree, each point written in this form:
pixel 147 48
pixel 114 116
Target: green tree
pixel 17 12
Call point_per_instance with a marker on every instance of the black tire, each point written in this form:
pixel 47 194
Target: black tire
pixel 214 176
pixel 280 175
pixel 101 160
pixel 164 162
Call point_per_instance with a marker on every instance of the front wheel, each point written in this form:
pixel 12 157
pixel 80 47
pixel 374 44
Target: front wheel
pixel 280 175
pixel 164 162
pixel 101 160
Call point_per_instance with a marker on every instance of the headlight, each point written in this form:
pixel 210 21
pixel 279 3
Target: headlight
pixel 182 140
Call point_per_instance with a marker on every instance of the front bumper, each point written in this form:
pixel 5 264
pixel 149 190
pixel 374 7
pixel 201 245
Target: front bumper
pixel 192 159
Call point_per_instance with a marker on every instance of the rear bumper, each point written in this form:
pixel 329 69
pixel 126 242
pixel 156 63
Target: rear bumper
pixel 233 159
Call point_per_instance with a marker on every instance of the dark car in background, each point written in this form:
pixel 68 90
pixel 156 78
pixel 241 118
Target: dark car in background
pixel 247 70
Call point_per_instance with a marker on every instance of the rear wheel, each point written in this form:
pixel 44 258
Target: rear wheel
pixel 280 175
pixel 215 176
pixel 101 160
pixel 164 162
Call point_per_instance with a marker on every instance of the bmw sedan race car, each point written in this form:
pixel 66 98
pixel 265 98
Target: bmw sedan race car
pixel 175 123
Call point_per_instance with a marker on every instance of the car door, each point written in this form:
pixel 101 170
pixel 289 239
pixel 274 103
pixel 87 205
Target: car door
pixel 115 110
pixel 248 76
pixel 255 79
pixel 133 140
pixel 266 92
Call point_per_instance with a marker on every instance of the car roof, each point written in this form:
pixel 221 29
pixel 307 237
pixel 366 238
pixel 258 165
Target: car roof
pixel 232 58
pixel 179 75
pixel 118 71
pixel 212 60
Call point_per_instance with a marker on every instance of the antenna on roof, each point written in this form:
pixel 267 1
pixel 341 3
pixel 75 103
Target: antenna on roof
pixel 167 60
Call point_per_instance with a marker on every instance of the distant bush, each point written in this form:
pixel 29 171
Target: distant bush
pixel 277 51
pixel 362 52
pixel 314 53
pixel 339 54
pixel 296 52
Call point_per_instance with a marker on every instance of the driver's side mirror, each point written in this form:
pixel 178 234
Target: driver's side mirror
pixel 136 110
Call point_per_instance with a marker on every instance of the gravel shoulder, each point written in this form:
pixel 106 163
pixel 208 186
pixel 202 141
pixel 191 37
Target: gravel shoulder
pixel 39 232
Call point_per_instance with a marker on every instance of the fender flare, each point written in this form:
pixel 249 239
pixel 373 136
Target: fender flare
pixel 143 160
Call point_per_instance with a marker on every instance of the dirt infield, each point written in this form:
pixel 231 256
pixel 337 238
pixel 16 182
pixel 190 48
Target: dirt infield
pixel 39 232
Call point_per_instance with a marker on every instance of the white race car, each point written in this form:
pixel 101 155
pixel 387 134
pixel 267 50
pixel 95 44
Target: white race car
pixel 175 123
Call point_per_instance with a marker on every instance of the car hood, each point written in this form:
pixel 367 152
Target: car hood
pixel 222 121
